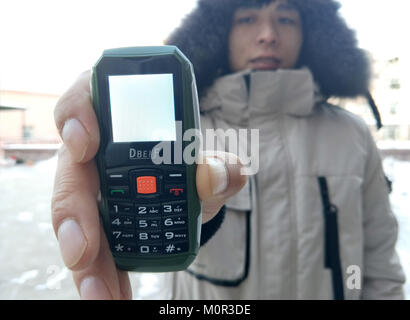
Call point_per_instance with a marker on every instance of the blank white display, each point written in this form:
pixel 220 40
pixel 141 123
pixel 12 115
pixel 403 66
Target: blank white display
pixel 142 108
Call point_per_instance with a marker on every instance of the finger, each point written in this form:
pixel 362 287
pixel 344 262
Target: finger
pixel 101 280
pixel 75 212
pixel 218 178
pixel 76 121
pixel 125 285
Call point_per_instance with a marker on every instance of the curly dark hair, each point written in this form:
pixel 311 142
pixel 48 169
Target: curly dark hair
pixel 329 48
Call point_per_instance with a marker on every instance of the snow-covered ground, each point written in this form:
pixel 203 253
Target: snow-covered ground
pixel 30 263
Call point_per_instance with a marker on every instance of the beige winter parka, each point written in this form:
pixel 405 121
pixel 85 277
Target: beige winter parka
pixel 315 221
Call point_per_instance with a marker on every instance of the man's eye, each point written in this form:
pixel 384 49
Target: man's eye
pixel 245 20
pixel 286 20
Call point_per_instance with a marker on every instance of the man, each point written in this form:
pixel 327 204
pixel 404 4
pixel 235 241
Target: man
pixel 317 207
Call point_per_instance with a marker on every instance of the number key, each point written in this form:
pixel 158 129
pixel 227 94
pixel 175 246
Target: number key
pixel 148 236
pixel 176 234
pixel 175 221
pixel 122 235
pixel 174 207
pixel 119 208
pixel 148 224
pixel 148 249
pixel 148 209
pixel 122 222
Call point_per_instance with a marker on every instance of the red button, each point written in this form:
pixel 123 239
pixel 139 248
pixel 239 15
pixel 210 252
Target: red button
pixel 175 191
pixel 146 185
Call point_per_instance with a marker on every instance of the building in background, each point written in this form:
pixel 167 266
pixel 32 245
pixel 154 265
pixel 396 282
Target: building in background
pixel 391 92
pixel 27 129
pixel 12 123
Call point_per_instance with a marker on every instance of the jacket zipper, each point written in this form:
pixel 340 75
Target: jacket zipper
pixel 293 263
pixel 332 252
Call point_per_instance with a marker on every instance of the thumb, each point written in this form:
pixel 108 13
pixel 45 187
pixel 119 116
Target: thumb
pixel 218 178
pixel 76 121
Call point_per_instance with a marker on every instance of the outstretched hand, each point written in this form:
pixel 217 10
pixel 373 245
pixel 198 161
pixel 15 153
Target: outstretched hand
pixel 75 216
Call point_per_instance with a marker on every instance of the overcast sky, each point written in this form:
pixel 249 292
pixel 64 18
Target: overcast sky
pixel 45 44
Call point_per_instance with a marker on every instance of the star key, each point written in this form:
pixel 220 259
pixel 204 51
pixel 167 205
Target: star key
pixel 124 248
pixel 119 248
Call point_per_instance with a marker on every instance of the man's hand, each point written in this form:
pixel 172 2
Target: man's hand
pixel 75 216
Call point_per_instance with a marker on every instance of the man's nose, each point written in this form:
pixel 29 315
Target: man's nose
pixel 267 34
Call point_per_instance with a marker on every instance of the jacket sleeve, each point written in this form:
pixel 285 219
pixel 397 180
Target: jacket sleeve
pixel 211 227
pixel 383 276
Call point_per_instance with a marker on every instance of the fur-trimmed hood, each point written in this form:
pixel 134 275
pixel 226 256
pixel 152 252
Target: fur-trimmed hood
pixel 329 50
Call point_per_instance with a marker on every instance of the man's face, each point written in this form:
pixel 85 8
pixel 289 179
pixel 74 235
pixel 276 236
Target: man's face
pixel 265 38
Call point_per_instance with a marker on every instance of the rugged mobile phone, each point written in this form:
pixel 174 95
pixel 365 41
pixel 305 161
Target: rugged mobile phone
pixel 144 97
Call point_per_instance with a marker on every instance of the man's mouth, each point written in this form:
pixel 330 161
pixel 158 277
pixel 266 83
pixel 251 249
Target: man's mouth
pixel 265 63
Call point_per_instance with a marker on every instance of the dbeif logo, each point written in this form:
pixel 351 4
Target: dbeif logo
pixel 140 154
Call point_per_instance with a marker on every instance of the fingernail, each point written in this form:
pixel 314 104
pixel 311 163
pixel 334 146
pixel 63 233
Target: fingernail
pixel 93 288
pixel 76 139
pixel 218 174
pixel 72 242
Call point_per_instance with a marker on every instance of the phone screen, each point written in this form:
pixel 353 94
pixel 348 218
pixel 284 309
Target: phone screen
pixel 142 108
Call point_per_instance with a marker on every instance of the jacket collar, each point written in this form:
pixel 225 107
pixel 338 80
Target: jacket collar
pixel 238 96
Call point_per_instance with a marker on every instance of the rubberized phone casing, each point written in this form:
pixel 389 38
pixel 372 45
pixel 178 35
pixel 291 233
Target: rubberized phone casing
pixel 151 213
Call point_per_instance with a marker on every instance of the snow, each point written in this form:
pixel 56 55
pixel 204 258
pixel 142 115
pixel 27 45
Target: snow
pixel 32 146
pixel 30 263
pixel 393 145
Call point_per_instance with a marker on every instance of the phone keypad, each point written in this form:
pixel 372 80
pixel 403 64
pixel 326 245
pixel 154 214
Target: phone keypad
pixel 149 216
